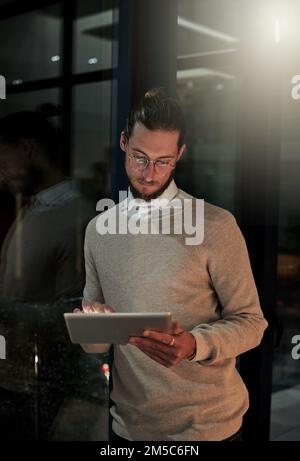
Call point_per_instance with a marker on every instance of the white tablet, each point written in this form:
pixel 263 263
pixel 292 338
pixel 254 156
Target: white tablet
pixel 114 328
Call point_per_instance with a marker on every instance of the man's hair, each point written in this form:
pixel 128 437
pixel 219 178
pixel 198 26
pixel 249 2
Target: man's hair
pixel 156 111
pixel 34 125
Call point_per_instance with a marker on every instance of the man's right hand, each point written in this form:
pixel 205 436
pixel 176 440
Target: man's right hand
pixel 88 308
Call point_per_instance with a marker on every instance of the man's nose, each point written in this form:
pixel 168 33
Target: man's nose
pixel 149 172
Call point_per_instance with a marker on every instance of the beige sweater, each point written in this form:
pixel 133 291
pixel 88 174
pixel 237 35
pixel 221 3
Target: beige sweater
pixel 209 288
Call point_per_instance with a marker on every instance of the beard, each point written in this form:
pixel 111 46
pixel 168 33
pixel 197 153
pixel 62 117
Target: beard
pixel 154 195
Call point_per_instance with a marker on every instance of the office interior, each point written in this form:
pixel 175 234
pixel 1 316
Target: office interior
pixel 233 65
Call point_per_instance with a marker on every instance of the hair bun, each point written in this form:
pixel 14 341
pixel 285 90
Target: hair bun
pixel 155 93
pixel 48 110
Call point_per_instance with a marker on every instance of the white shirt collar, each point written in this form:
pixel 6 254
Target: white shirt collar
pixel 136 206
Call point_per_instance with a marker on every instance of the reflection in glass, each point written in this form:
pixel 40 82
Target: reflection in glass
pixel 32 48
pixel 29 100
pixel 285 422
pixel 50 389
pixel 208 26
pixel 209 95
pixel 207 169
pixel 92 136
pixel 93 35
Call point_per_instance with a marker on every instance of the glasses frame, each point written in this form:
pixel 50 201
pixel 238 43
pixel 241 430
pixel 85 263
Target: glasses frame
pixel 168 167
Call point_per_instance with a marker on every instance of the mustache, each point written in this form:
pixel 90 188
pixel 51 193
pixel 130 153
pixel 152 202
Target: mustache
pixel 144 183
pixel 137 194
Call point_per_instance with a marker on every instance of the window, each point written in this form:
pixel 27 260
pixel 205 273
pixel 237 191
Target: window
pixel 32 48
pixel 208 89
pixel 60 392
pixel 94 36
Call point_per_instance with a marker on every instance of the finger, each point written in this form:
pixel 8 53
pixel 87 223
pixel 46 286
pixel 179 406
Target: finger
pixel 90 307
pixel 109 310
pixel 152 343
pixel 98 307
pixel 176 327
pixel 164 355
pixel 77 311
pixel 164 338
pixel 85 303
pixel 103 308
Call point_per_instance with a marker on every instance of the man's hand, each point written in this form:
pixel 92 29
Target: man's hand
pixel 161 347
pixel 90 307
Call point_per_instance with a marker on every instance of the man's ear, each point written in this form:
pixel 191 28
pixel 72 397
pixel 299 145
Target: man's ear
pixel 181 151
pixel 123 141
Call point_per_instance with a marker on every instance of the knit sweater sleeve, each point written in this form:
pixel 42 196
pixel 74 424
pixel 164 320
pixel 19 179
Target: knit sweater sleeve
pixel 241 324
pixel 92 291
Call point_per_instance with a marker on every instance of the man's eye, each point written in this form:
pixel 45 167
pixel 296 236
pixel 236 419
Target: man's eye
pixel 162 162
pixel 141 160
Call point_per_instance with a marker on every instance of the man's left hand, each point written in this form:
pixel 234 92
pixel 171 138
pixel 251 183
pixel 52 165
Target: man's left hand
pixel 166 347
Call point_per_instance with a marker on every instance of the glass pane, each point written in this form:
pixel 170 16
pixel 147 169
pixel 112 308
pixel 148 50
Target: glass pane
pixel 93 35
pixel 207 168
pixel 29 100
pixel 49 388
pixel 207 26
pixel 209 96
pixel 32 45
pixel 92 135
pixel 285 416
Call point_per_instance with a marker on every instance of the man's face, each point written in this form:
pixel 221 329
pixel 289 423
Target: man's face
pixel 16 168
pixel 151 181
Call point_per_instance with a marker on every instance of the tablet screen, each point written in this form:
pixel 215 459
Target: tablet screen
pixel 115 328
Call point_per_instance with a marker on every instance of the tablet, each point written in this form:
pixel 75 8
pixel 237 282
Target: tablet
pixel 113 328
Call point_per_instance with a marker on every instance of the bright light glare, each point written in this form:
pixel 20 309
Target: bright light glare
pixel 277 30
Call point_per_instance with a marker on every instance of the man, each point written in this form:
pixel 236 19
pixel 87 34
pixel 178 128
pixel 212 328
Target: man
pixel 180 384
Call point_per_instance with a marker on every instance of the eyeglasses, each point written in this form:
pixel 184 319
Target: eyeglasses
pixel 142 163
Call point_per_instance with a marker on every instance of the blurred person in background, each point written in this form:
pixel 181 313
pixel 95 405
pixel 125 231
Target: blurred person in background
pixel 41 273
